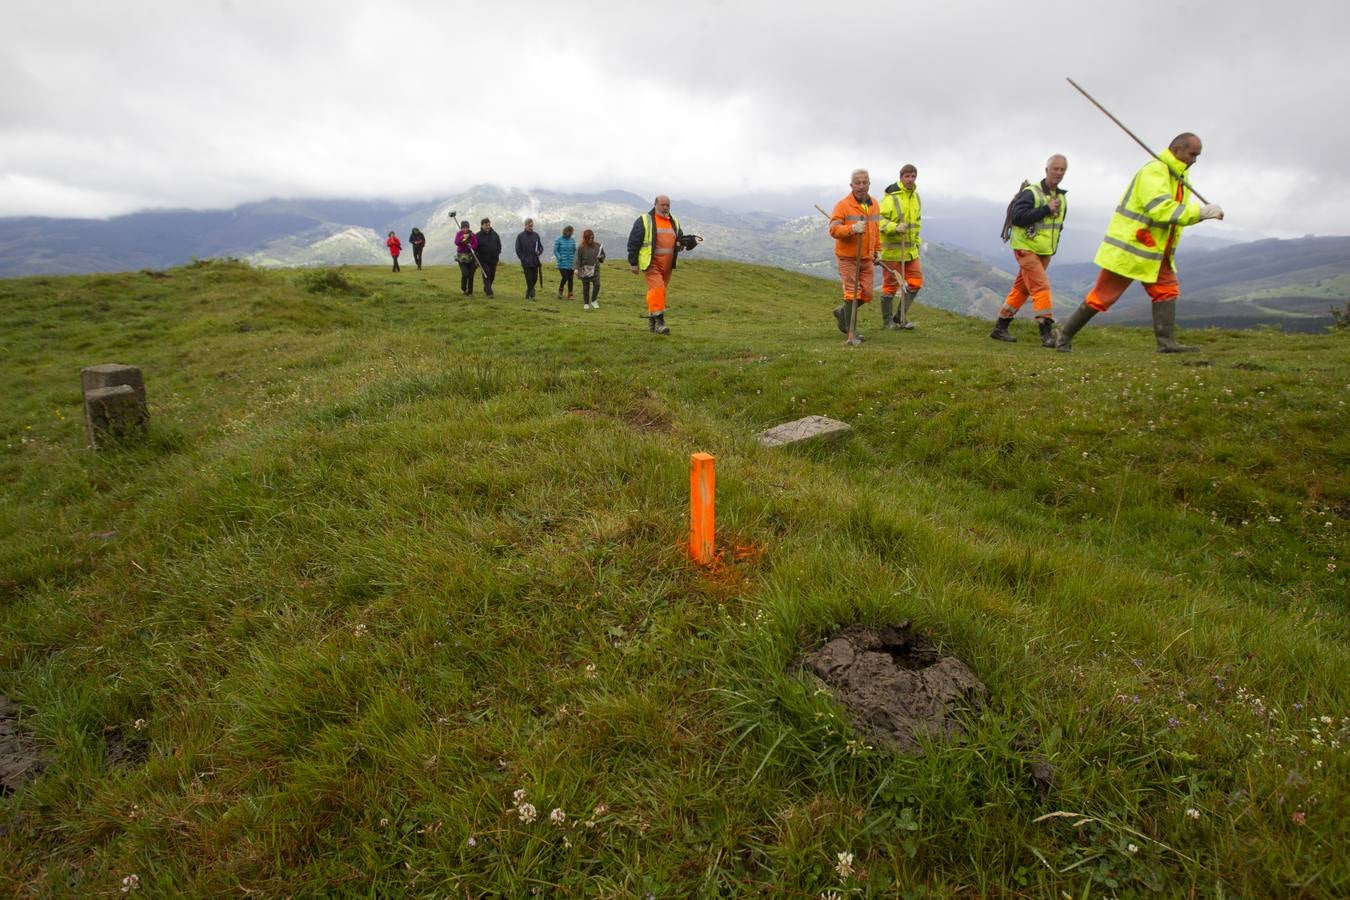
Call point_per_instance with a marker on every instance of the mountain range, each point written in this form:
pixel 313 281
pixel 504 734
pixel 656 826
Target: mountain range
pixel 1290 283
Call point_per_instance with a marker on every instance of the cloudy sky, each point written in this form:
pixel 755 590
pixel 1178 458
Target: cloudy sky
pixel 110 107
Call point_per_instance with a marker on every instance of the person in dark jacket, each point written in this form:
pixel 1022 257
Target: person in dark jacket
pixel 590 255
pixel 418 241
pixel 528 250
pixel 489 252
pixel 1035 222
pixel 466 254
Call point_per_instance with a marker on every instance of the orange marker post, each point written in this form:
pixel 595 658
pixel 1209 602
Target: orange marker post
pixel 702 487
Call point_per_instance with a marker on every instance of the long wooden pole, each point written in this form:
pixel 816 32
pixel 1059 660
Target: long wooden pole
pixel 1121 126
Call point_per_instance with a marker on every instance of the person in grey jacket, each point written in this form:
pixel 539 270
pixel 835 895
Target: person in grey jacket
pixel 528 250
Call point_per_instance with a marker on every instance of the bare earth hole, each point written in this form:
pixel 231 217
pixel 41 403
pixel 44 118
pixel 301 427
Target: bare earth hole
pixel 20 757
pixel 894 684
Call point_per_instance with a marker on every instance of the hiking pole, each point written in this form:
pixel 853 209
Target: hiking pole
pixel 472 252
pixel 1122 127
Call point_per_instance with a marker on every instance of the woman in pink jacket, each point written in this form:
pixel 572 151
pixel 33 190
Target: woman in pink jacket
pixel 395 247
pixel 466 254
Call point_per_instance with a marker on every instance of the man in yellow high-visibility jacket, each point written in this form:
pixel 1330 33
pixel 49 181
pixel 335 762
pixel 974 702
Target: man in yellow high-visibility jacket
pixel 1035 222
pixel 1141 241
pixel 901 271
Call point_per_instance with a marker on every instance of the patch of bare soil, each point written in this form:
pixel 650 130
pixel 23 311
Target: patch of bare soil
pixel 123 752
pixel 645 415
pixel 894 685
pixel 21 758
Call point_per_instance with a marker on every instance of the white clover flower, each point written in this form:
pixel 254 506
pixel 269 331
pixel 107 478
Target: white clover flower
pixel 590 670
pixel 557 817
pixel 527 812
pixel 518 797
pixel 1192 813
pixel 845 864
pixel 131 883
pixel 360 629
pixel 1132 848
pixel 138 724
pixel 600 810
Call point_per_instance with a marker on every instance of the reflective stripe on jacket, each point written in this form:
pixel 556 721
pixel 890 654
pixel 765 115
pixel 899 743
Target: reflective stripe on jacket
pixel 900 205
pixel 1148 221
pixel 846 212
pixel 1041 237
pixel 641 237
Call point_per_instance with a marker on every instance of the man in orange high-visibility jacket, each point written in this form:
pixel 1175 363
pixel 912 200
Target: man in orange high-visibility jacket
pixel 1141 243
pixel 654 245
pixel 853 225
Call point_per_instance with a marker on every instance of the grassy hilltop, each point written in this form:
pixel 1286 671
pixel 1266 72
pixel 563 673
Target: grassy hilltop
pixel 389 556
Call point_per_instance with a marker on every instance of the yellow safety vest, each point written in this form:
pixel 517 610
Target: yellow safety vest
pixel 645 251
pixel 1041 238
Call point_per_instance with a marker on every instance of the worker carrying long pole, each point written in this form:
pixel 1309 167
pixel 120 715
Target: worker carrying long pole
pixel 901 219
pixel 1141 239
pixel 1141 243
pixel 853 225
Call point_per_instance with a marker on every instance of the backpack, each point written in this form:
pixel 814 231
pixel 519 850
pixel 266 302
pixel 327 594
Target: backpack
pixel 1006 233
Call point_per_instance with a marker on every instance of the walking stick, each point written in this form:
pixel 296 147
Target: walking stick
pixel 1122 127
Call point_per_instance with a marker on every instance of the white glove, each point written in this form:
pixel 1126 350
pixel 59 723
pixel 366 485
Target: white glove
pixel 859 227
pixel 901 227
pixel 1211 211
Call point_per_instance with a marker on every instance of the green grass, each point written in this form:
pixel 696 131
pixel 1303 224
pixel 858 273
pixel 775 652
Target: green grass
pixel 388 556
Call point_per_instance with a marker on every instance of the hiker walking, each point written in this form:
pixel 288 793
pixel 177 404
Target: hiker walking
pixel 395 247
pixel 1141 242
pixel 1035 223
pixel 565 253
pixel 489 252
pixel 654 245
pixel 418 241
pixel 901 219
pixel 466 247
pixel 853 225
pixel 528 250
pixel 589 257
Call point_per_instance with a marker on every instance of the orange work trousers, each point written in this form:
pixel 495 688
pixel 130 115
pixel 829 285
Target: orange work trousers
pixel 1110 286
pixel 1031 281
pixel 856 276
pixel 891 272
pixel 658 276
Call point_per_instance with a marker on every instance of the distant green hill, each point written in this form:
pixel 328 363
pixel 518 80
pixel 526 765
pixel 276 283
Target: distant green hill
pixel 1289 283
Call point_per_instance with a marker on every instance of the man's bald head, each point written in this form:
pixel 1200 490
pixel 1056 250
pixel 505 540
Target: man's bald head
pixel 1185 147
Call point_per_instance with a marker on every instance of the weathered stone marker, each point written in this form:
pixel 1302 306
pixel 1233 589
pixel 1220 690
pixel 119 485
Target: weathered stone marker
pixel 114 403
pixel 806 429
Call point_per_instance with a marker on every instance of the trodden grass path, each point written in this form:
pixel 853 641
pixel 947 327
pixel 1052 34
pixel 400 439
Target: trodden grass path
pixel 392 600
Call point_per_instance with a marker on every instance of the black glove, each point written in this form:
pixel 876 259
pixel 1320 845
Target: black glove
pixel 689 241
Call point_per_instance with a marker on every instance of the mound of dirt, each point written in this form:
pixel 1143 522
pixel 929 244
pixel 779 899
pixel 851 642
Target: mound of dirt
pixel 894 685
pixel 20 757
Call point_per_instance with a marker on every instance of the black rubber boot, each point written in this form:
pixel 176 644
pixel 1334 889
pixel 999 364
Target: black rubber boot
pixel 659 323
pixel 1047 328
pixel 906 301
pixel 841 313
pixel 1081 316
pixel 1000 332
pixel 887 311
pixel 1164 325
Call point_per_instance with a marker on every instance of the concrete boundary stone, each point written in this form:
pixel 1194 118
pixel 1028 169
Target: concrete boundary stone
pixel 804 429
